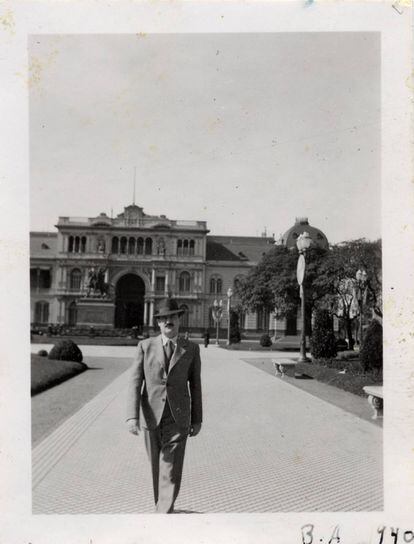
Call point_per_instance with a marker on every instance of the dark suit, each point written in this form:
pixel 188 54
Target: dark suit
pixel 170 403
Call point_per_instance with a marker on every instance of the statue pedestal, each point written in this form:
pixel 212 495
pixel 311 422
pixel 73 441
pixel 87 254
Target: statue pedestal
pixel 95 312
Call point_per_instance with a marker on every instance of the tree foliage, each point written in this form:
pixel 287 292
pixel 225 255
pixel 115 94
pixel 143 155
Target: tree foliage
pixel 329 281
pixel 323 341
pixel 337 279
pixel 273 284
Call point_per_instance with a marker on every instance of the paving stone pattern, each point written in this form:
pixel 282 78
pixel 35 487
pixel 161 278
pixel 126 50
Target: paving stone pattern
pixel 265 446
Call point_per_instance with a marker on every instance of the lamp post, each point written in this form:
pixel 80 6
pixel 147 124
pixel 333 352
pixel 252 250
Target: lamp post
pixel 303 243
pixel 217 315
pixel 361 285
pixel 229 295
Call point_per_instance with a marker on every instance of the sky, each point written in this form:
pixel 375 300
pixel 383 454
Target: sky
pixel 244 131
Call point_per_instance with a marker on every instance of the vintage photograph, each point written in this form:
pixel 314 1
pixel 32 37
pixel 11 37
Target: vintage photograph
pixel 206 273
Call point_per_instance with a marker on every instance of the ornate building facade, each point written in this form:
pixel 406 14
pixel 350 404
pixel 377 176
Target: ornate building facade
pixel 109 272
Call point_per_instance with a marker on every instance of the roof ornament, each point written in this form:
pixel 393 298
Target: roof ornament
pixel 302 221
pixel 135 178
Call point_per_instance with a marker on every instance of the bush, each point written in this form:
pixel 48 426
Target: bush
pixel 235 336
pixel 341 344
pixel 265 341
pixel 66 350
pixel 42 353
pixel 323 342
pixel 371 351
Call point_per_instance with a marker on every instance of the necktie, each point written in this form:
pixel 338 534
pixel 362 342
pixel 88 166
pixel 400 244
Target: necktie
pixel 169 350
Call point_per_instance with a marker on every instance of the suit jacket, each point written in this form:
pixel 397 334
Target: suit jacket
pixel 151 386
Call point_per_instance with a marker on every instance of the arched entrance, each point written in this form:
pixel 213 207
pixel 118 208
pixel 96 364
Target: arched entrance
pixel 129 302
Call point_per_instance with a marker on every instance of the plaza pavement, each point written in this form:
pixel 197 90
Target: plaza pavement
pixel 265 446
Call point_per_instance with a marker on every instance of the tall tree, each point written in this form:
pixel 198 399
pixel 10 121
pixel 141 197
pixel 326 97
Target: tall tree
pixel 330 281
pixel 337 279
pixel 273 285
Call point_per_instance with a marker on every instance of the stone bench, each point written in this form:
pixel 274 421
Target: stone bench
pixel 282 365
pixel 376 399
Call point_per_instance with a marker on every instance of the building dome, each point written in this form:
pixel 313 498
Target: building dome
pixel 302 225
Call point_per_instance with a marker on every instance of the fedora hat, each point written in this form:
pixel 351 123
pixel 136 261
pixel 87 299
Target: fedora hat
pixel 168 306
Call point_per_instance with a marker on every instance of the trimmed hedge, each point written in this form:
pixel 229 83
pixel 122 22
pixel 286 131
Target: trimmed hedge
pixel 46 373
pixel 265 341
pixel 235 336
pixel 323 341
pixel 371 351
pixel 66 350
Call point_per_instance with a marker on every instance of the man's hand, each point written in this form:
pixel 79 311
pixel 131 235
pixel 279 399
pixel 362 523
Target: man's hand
pixel 133 426
pixel 195 429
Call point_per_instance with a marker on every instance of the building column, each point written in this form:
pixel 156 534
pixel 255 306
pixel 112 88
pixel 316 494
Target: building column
pixel 166 283
pixel 153 280
pixel 61 312
pixel 145 313
pixel 151 316
pixel 65 278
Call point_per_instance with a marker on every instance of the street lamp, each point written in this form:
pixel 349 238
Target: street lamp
pixel 303 243
pixel 217 315
pixel 229 295
pixel 361 287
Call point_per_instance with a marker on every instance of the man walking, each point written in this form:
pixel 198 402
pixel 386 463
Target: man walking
pixel 165 383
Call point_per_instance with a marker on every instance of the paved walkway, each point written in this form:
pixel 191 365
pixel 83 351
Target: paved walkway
pixel 265 446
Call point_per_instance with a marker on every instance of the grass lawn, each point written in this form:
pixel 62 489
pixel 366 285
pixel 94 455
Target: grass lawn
pixel 46 372
pixel 349 381
pixel 53 406
pixel 337 396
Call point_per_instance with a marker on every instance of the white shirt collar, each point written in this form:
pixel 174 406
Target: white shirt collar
pixel 165 339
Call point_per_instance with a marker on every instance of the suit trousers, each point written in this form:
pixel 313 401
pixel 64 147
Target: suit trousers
pixel 165 447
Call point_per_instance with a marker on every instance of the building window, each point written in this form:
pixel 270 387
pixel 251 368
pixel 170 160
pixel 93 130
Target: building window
pixel 115 245
pixel 77 244
pixel 179 248
pixel 41 312
pixel 192 246
pixel 75 279
pixel 212 285
pixel 83 244
pixel 185 247
pixel 160 284
pixel 131 246
pixel 148 246
pixel 33 278
pixel 72 314
pixel 70 244
pixel 262 319
pixel 185 318
pixel 184 283
pixel 140 246
pixel 216 285
pixel 40 278
pixel 44 279
pixel 123 245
